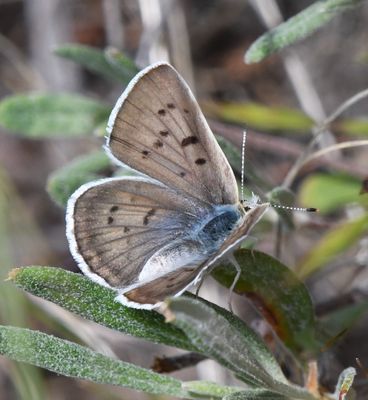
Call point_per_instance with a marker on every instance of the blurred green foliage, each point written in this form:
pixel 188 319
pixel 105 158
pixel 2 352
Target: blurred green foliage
pixel 51 115
pixel 297 27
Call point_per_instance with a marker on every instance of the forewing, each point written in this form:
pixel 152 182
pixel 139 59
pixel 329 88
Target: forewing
pixel 158 129
pixel 115 225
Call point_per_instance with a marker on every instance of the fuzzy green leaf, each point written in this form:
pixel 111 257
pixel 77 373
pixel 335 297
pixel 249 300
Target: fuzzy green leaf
pixel 110 64
pixel 202 388
pixel 63 182
pixel 280 297
pixel 259 350
pixel 80 295
pixel 255 394
pixel 329 192
pixel 296 28
pixel 272 119
pixel 125 66
pixel 51 115
pixel 211 333
pixel 332 244
pixel 73 360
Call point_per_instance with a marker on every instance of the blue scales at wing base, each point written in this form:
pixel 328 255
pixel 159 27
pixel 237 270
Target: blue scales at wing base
pixel 224 220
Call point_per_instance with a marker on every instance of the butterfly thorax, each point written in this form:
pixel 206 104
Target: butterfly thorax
pixel 223 221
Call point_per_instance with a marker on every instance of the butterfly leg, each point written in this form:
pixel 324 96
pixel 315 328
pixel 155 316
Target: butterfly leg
pixel 199 287
pixel 233 261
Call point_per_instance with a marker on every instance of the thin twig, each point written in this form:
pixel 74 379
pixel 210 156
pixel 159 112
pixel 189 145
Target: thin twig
pixel 345 105
pixel 318 130
pixel 257 141
pixel 335 147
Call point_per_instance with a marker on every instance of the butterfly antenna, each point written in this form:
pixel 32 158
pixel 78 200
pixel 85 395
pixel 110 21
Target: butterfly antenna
pixel 255 198
pixel 242 167
pixel 307 209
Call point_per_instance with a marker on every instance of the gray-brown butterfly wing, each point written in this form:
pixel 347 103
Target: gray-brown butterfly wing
pixel 157 128
pixel 175 282
pixel 155 291
pixel 116 225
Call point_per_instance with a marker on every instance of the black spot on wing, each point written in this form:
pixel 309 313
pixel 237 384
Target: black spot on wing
pixel 200 161
pixel 145 153
pixel 170 105
pixel 110 220
pixel 126 229
pixel 161 112
pixel 182 174
pixel 189 140
pixel 164 133
pixel 146 218
pixel 186 111
pixel 157 144
pixel 114 208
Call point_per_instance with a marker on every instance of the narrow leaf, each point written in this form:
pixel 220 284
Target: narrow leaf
pixel 51 115
pixel 91 301
pixel 63 182
pixel 264 118
pixel 260 351
pixel 255 394
pixel 123 64
pixel 296 28
pixel 70 359
pixel 332 244
pixel 203 388
pixel 210 332
pixel 112 65
pixel 329 192
pixel 275 291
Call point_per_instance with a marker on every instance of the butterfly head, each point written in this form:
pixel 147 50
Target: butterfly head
pixel 251 202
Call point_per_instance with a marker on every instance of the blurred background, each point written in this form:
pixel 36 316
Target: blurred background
pixel 280 101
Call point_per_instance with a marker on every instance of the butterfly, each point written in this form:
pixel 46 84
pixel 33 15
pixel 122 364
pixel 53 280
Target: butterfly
pixel 154 235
